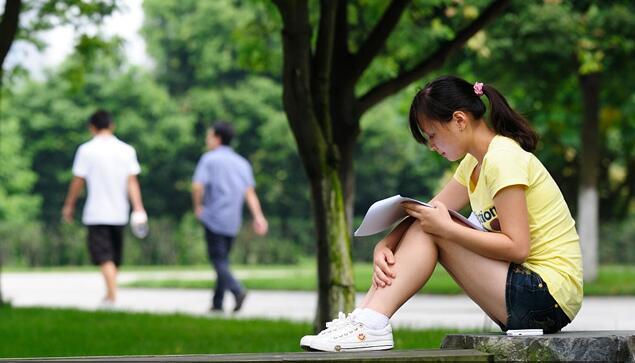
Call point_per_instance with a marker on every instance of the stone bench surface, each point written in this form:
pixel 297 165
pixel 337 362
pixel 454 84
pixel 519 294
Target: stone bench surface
pixel 416 355
pixel 599 346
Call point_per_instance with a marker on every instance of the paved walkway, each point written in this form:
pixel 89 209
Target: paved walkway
pixel 83 290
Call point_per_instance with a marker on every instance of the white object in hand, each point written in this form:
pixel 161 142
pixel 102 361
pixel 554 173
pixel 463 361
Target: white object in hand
pixel 383 213
pixel 139 224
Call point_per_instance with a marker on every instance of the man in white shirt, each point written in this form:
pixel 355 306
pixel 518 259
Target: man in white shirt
pixel 109 168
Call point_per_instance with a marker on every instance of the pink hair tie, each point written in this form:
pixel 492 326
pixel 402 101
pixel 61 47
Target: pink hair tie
pixel 478 88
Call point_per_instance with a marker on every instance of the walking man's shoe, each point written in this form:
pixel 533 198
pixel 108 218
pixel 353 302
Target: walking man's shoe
pixel 215 309
pixel 240 298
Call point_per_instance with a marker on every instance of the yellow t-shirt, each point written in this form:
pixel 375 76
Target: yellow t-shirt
pixel 555 246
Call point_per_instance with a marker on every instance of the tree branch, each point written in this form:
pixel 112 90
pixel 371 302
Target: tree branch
pixel 341 54
pixel 322 63
pixel 9 27
pixel 377 37
pixel 296 79
pixel 434 61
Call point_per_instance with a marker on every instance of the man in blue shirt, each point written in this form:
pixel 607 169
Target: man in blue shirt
pixel 222 182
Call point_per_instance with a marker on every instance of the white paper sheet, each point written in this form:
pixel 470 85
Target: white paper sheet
pixel 384 213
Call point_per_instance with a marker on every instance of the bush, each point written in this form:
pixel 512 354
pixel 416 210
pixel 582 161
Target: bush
pixel 31 244
pixel 249 249
pixel 617 242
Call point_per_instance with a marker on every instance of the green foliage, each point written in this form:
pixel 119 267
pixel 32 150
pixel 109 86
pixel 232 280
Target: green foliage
pixel 265 250
pixel 423 28
pixel 37 16
pixel 617 242
pixel 199 43
pixel 535 54
pixel 17 204
pixel 31 244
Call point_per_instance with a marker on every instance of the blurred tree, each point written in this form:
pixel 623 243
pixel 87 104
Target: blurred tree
pixel 593 54
pixel 53 118
pixel 44 15
pixel 23 20
pixel 8 30
pixel 17 205
pixel 219 62
pixel 321 76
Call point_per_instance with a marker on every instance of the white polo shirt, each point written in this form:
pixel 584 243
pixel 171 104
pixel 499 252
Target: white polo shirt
pixel 106 163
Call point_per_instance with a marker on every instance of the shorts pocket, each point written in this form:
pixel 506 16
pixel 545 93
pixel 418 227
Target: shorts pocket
pixel 536 283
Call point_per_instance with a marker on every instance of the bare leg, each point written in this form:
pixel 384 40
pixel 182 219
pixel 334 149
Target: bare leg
pixel 482 278
pixel 109 270
pixel 392 238
pixel 415 259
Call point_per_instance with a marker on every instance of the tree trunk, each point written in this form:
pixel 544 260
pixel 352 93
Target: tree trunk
pixel 588 201
pixel 306 85
pixel 335 269
pixel 8 29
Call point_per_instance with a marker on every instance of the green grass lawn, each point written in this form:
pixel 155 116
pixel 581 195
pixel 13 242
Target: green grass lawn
pixel 612 280
pixel 37 332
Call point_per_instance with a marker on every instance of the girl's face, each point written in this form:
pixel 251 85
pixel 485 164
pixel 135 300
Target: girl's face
pixel 445 138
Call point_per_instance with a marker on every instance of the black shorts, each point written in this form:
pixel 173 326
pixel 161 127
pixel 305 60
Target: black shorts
pixel 105 243
pixel 529 303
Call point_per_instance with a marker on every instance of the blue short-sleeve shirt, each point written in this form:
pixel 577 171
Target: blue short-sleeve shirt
pixel 226 176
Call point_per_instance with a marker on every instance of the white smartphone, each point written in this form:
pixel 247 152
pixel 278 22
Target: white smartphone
pixel 522 332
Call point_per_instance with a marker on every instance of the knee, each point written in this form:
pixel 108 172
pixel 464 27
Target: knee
pixel 416 234
pixel 417 230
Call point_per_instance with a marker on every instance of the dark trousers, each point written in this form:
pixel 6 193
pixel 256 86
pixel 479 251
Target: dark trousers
pixel 218 247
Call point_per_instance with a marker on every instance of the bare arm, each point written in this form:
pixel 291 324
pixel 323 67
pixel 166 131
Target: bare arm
pixel 453 195
pixel 74 190
pixel 134 191
pixel 197 198
pixel 512 244
pixel 259 224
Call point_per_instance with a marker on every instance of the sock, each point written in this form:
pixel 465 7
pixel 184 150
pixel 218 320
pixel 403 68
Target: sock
pixel 371 319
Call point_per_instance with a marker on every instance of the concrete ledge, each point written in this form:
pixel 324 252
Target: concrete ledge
pixel 599 346
pixel 418 355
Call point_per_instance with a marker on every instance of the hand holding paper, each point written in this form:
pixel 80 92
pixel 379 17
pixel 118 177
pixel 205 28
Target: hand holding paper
pixel 433 219
pixel 384 213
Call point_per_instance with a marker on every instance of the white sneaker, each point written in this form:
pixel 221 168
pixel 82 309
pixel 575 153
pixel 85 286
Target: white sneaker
pixel 305 342
pixel 353 336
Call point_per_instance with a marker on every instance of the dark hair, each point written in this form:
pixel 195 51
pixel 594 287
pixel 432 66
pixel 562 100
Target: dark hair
pixel 225 131
pixel 100 119
pixel 445 95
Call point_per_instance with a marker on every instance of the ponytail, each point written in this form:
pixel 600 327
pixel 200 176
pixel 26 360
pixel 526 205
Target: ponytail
pixel 508 122
pixel 441 97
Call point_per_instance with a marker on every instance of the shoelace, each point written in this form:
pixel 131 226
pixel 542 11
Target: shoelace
pixel 341 320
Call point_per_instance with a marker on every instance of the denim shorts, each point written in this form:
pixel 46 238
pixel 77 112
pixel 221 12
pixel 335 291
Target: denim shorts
pixel 529 303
